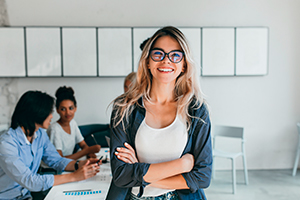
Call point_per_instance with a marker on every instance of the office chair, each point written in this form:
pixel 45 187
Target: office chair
pixel 235 133
pixel 298 152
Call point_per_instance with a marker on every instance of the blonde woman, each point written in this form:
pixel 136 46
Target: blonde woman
pixel 160 138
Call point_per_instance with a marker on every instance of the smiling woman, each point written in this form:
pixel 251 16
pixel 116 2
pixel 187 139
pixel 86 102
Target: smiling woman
pixel 160 129
pixel 64 133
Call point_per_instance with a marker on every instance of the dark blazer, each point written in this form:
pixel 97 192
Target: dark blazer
pixel 126 176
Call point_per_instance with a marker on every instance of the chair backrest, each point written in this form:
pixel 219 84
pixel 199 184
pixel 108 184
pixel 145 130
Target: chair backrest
pixel 228 131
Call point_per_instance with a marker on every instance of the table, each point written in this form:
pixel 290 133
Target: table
pixel 92 188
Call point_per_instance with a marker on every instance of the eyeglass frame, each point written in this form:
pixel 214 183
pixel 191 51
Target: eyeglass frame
pixel 166 54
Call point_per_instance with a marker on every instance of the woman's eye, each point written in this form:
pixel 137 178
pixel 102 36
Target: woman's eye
pixel 62 109
pixel 175 55
pixel 71 108
pixel 157 54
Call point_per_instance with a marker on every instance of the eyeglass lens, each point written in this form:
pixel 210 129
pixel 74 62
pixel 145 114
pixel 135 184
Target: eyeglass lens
pixel 174 56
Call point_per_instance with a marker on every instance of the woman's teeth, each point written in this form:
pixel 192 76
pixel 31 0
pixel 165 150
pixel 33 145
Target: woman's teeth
pixel 165 70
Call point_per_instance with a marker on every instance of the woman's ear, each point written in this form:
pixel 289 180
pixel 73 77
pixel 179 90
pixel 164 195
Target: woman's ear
pixel 183 68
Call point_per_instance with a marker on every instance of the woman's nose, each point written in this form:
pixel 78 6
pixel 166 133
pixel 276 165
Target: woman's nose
pixel 166 59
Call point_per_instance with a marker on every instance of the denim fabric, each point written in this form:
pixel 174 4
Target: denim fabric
pixel 126 176
pixel 168 196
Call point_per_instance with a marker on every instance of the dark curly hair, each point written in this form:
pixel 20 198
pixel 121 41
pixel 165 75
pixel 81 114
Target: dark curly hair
pixel 64 93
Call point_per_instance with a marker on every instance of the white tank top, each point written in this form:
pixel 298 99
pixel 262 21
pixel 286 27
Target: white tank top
pixel 159 145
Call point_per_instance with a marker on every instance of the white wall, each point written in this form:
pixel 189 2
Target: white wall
pixel 267 106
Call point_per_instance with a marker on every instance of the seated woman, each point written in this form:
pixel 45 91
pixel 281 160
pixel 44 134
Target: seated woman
pixel 65 134
pixel 26 143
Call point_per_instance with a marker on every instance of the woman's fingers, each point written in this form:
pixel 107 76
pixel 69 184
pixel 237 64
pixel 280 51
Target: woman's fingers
pixel 126 157
pixel 129 146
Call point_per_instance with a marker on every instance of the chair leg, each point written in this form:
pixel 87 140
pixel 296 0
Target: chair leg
pixel 213 169
pixel 296 162
pixel 233 177
pixel 245 170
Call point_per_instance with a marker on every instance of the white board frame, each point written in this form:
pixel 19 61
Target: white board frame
pixel 218 51
pixel 43 47
pixel 193 36
pixel 12 52
pixel 139 36
pixel 252 50
pixel 114 51
pixel 79 51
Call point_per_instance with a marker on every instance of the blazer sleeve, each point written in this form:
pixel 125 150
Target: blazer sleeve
pixel 199 177
pixel 124 175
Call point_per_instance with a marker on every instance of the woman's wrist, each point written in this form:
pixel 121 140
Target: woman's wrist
pixel 76 165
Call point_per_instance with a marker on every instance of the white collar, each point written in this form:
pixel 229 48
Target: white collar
pixel 33 137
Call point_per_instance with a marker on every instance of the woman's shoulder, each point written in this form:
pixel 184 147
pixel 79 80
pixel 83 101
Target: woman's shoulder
pixel 199 109
pixel 54 125
pixel 73 123
pixel 53 128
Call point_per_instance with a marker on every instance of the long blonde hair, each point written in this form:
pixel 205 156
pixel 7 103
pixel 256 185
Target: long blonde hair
pixel 187 86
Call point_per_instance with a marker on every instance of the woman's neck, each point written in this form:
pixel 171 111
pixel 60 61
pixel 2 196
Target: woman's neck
pixel 63 123
pixel 162 93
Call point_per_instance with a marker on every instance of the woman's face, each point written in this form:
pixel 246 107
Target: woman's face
pixel 66 110
pixel 166 71
pixel 47 121
pixel 127 85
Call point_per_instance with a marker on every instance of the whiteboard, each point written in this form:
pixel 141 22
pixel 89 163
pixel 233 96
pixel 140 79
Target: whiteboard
pixel 43 51
pixel 139 35
pixel 12 52
pixel 252 51
pixel 218 51
pixel 79 51
pixel 115 51
pixel 193 36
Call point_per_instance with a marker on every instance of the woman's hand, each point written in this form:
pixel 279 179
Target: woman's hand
pixel 86 170
pixel 90 161
pixel 127 154
pixel 91 155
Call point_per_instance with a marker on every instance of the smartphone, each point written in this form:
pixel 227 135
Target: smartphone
pixel 105 160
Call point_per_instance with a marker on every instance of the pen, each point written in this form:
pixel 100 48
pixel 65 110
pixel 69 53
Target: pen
pixel 99 160
pixel 94 138
pixel 77 191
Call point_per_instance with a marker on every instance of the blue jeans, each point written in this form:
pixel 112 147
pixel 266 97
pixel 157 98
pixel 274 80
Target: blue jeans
pixel 168 196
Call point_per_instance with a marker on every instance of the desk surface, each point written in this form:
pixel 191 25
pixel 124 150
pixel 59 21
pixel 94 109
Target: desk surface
pixel 92 188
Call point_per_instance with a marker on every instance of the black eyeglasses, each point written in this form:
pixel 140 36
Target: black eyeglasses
pixel 158 55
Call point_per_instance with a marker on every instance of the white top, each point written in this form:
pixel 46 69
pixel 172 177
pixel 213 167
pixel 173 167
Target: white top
pixel 62 140
pixel 159 145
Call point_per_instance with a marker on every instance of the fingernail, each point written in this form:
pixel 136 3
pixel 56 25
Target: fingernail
pixel 116 153
pixel 118 148
pixel 125 143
